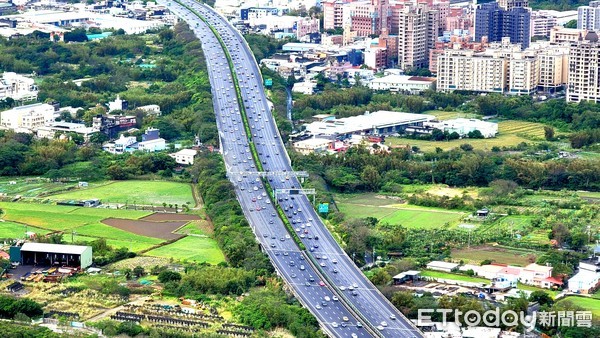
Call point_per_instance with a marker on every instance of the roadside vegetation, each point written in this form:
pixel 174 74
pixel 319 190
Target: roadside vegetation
pixel 212 258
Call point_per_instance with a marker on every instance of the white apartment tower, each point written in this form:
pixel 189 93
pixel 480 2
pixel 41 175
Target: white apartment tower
pixel 523 73
pixel 504 68
pixel 466 70
pixel 588 17
pixel 584 70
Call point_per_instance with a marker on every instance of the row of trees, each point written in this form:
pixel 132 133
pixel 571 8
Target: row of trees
pixel 20 154
pixel 209 280
pixel 271 308
pixel 11 307
pixel 232 230
pixel 359 170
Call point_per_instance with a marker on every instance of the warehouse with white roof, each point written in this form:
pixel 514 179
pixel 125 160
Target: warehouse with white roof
pixel 377 123
pixel 45 254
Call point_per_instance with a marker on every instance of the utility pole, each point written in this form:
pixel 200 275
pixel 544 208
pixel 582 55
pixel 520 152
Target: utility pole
pixel 469 241
pixel 432 177
pixel 373 255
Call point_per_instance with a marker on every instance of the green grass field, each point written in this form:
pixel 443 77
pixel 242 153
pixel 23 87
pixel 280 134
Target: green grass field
pixel 475 255
pixel 200 227
pixel 452 276
pixel 552 293
pixel 587 303
pixel 448 115
pixel 135 192
pixel 191 248
pixel 31 187
pixel 58 217
pixel 510 133
pixel 106 231
pixel 388 210
pixel 519 225
pixel 85 222
pixel 15 230
pixel 115 243
pixel 589 194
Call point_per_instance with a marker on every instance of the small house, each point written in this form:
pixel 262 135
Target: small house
pixel 483 213
pixel 407 277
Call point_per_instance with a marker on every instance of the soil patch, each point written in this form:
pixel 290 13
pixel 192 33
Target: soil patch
pixel 160 217
pixel 162 230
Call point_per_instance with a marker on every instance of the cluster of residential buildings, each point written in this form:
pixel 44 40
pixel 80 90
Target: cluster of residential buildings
pixel 17 87
pixel 330 135
pixel 58 17
pixel 480 47
pixel 272 21
pixel 151 142
pixel 503 277
pixel 43 120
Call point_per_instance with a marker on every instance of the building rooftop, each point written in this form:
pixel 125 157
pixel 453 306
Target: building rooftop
pixel 55 248
pixel 32 106
pixel 315 142
pixel 396 78
pixel 538 268
pixel 368 121
pixel 440 264
pixel 157 140
pixel 188 152
pixel 406 273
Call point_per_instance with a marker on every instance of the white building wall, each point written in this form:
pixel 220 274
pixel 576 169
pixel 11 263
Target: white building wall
pixel 27 117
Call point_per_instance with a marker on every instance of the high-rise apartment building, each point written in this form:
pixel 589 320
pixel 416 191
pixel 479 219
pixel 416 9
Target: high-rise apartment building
pixel 507 5
pixel 468 70
pixel 588 17
pixel 333 13
pixel 370 17
pixel 542 23
pixel 584 70
pixel 418 28
pixel 504 68
pixel 523 73
pixel 554 68
pixel 497 23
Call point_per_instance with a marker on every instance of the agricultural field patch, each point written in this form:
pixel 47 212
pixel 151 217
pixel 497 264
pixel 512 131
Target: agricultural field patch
pixel 449 115
pixel 423 218
pixel 106 231
pixel 191 248
pixel 444 190
pixel 200 227
pixel 86 303
pixel 61 218
pixel 587 303
pixel 162 230
pixel 511 256
pixel 133 246
pixel 135 192
pixel 160 217
pixel 452 276
pixel 367 199
pixel 390 211
pixel 32 187
pixel 511 133
pixel 15 230
pixel 144 261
